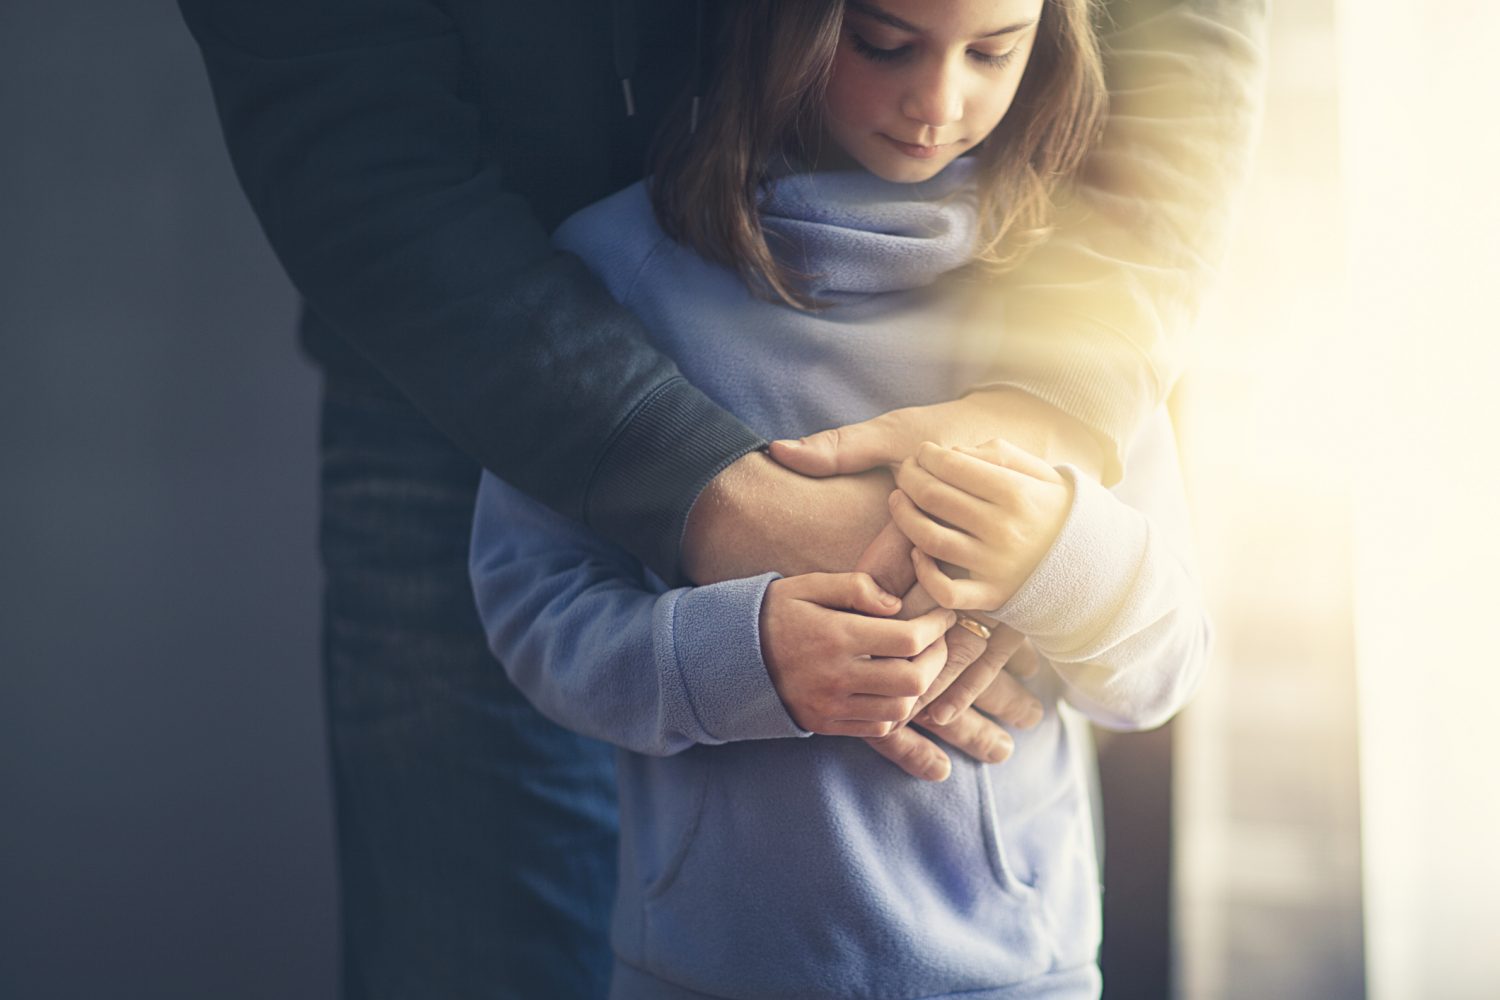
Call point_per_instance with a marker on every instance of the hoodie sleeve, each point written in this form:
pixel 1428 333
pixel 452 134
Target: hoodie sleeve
pixel 355 134
pixel 582 632
pixel 1096 318
pixel 1115 605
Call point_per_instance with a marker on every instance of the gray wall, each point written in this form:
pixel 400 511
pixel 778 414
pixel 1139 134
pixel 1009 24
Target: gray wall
pixel 164 818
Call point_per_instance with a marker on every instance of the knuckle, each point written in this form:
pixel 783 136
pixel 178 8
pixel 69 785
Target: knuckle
pixel 960 654
pixel 911 683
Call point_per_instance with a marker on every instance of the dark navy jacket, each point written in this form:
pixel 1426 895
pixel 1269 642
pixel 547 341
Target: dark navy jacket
pixel 409 158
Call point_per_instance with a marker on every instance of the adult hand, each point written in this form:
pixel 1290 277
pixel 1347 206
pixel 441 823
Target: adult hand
pixel 972 662
pixel 970 668
pixel 885 440
pixel 972 731
pixel 965 677
pixel 1007 699
pixel 840 664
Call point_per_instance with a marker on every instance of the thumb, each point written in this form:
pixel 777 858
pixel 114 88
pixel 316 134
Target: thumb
pixel 888 560
pixel 842 450
pixel 849 592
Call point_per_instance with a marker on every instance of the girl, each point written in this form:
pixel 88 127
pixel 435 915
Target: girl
pixel 801 252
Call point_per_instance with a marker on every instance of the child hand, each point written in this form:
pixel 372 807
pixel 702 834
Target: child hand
pixel 993 510
pixel 838 670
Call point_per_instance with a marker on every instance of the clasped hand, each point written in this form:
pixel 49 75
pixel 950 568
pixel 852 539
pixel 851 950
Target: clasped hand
pixel 978 533
pixel 976 521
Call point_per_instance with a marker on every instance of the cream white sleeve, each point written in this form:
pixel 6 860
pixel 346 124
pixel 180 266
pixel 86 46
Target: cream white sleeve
pixel 1115 605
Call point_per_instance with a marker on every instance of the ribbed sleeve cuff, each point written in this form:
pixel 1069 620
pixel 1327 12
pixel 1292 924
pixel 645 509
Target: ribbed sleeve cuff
pixel 660 459
pixel 1084 579
pixel 716 639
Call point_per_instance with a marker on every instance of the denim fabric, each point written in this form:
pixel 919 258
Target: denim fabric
pixel 476 840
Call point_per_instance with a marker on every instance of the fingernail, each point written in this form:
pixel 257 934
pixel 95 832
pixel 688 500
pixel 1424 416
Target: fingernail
pixel 943 714
pixel 889 600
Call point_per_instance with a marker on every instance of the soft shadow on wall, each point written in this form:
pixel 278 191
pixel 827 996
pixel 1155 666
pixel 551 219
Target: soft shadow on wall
pixel 165 829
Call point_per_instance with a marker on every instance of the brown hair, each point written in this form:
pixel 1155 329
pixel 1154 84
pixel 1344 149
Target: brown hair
pixel 764 105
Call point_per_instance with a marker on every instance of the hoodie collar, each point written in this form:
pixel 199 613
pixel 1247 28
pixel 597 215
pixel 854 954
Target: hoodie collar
pixel 849 232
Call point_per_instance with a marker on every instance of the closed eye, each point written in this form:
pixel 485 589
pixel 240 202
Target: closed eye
pixel 875 53
pixel 995 61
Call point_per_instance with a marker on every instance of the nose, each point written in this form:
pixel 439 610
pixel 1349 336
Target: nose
pixel 935 97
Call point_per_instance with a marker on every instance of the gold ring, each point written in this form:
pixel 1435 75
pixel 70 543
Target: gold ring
pixel 979 628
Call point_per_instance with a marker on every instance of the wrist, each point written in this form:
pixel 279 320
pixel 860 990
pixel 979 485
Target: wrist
pixel 757 516
pixel 712 520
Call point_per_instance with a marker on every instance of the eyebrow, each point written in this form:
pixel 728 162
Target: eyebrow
pixel 876 14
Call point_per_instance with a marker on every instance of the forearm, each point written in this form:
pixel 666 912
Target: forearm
pixel 760 517
pixel 360 149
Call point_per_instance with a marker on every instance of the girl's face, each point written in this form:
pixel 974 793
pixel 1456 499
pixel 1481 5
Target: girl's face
pixel 916 83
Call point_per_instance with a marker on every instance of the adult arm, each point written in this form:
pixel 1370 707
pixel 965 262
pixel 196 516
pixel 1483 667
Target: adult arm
pixel 354 132
pixel 1095 319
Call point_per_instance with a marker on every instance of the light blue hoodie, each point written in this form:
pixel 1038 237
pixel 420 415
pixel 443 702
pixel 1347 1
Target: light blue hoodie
pixel 758 862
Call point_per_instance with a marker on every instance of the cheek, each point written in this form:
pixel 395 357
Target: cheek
pixel 992 103
pixel 854 93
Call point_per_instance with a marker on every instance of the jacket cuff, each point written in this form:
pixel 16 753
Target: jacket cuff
pixel 669 448
pixel 716 643
pixel 1084 579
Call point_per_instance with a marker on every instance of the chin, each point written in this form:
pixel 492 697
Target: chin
pixel 905 171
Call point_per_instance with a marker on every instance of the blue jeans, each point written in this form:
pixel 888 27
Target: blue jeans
pixel 476 840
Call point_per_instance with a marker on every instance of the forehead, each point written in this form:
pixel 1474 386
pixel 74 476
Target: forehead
pixel 942 18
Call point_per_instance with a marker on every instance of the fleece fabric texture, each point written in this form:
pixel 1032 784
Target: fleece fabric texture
pixel 757 864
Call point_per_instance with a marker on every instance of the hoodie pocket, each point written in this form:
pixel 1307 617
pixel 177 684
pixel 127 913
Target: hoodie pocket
pixel 1021 882
pixel 812 869
pixel 661 807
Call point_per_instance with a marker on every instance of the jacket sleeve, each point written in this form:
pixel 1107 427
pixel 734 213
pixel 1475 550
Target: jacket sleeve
pixel 1115 605
pixel 352 131
pixel 1095 318
pixel 585 636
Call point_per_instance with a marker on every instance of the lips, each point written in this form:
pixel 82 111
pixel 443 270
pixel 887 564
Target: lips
pixel 915 150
